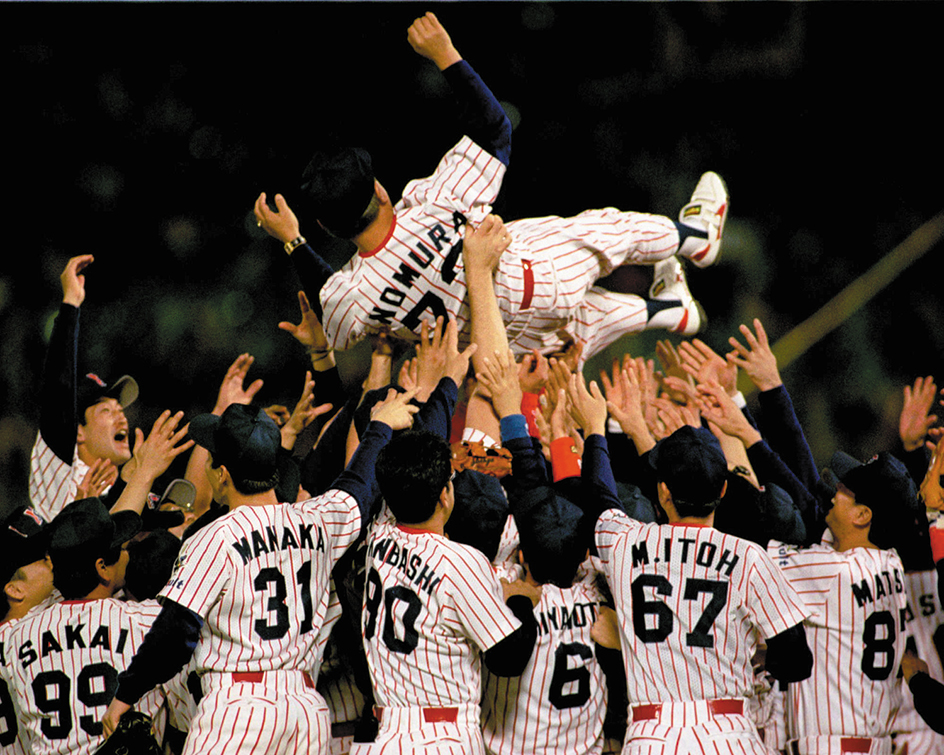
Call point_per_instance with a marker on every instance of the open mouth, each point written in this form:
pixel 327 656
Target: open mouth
pixel 121 436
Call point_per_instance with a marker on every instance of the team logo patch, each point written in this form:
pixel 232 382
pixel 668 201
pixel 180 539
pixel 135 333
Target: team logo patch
pixel 34 516
pixel 98 381
pixel 692 209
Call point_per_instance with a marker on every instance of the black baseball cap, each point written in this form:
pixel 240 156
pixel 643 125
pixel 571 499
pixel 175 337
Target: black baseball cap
pixel 23 540
pixel 339 185
pixel 551 529
pixel 884 485
pixel 150 563
pixel 85 529
pixel 691 464
pixel 244 439
pixel 90 389
pixel 480 513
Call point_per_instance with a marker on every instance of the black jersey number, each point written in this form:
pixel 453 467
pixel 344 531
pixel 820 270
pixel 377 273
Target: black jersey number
pixel 653 620
pixel 271 582
pixel 392 597
pixel 8 725
pixel 95 687
pixel 878 640
pixel 565 674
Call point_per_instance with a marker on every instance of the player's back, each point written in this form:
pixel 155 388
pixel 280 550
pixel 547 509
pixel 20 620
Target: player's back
pixel 65 667
pixel 857 599
pixel 692 603
pixel 558 703
pixel 430 605
pixel 260 576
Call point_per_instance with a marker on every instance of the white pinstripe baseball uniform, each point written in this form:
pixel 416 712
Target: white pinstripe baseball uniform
pixel 924 634
pixel 544 280
pixel 430 607
pixel 65 667
pixel 11 743
pixel 558 704
pixel 53 482
pixel 857 598
pixel 259 576
pixel 692 604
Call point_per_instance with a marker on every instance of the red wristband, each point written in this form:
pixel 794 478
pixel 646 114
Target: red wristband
pixel 565 460
pixel 937 543
pixel 530 403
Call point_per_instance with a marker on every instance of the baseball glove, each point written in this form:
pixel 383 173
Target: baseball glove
pixel 132 737
pixel 474 455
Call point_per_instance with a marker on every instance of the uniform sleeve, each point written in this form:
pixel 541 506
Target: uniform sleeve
pixel 202 572
pixel 482 116
pixel 773 602
pixel 611 528
pixel 467 177
pixel 479 602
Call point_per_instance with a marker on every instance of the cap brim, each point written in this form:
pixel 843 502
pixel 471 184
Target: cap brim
pixel 203 430
pixel 127 525
pixel 125 390
pixel 179 493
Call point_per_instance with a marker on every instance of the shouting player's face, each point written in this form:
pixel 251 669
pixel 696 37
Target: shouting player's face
pixel 104 435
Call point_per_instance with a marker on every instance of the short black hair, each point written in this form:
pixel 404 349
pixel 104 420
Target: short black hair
pixel 412 470
pixel 248 487
pixel 77 577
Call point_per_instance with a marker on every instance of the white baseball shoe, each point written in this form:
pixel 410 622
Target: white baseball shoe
pixel 706 210
pixel 670 285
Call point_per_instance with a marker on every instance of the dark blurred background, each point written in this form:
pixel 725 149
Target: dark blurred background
pixel 142 133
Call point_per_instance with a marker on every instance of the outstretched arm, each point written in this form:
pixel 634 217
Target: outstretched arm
pixel 482 116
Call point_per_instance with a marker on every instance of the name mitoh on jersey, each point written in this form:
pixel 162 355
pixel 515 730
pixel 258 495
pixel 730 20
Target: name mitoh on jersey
pixel 388 552
pixel 680 549
pixel 70 637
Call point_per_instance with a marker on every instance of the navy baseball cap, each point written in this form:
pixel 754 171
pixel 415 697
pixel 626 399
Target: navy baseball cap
pixel 551 531
pixel 691 464
pixel 884 485
pixel 244 439
pixel 85 529
pixel 90 389
pixel 481 511
pixel 339 185
pixel 150 563
pixel 23 540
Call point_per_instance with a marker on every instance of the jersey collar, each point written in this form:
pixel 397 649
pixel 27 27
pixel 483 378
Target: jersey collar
pixel 382 244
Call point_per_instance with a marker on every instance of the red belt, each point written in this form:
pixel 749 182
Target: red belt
pixel 256 677
pixel 847 745
pixel 430 715
pixel 716 707
pixel 528 284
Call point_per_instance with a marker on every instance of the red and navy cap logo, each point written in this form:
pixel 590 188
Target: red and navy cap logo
pixel 97 379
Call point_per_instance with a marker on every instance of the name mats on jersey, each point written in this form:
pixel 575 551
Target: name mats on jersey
pixel 69 637
pixel 388 552
pixel 260 543
pixel 886 583
pixel 561 618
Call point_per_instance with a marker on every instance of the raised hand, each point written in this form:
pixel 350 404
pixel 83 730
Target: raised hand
pixel 233 389
pixel 498 380
pixel 281 223
pixel 308 332
pixel 533 372
pixel 756 359
pixel 428 38
pixel 587 405
pixel 303 415
pixel 705 365
pixel 483 245
pixel 916 419
pixel 719 409
pixel 163 444
pixel 395 410
pixel 102 474
pixel 72 280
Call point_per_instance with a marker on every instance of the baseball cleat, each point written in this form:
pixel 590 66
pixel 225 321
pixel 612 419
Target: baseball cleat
pixel 706 210
pixel 670 285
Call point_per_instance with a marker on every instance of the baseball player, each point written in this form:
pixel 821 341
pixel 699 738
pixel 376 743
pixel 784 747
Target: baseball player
pixel 82 421
pixel 27 586
pixel 924 633
pixel 408 269
pixel 250 591
pixel 855 588
pixel 65 660
pixel 692 602
pixel 433 610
